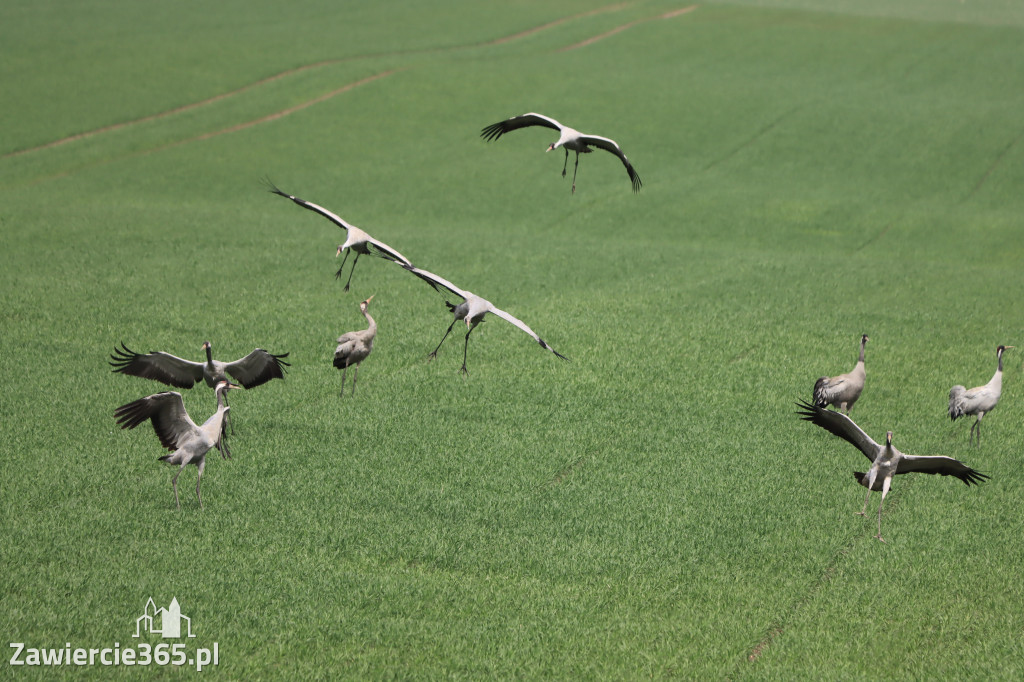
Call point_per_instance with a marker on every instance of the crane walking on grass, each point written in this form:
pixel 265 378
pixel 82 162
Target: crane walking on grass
pixel 472 310
pixel 978 400
pixel 354 347
pixel 843 390
pixel 357 240
pixel 568 138
pixel 177 432
pixel 886 460
pixel 255 369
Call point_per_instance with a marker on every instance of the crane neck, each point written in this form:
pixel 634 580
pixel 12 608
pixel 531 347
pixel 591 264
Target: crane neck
pixel 999 367
pixel 209 357
pixel 372 325
pixel 860 358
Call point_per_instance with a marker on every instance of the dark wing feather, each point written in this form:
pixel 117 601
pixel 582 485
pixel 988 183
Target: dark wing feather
pixel 496 130
pixel 159 366
pixel 840 425
pixel 613 147
pixel 508 317
pixel 258 367
pixel 945 466
pixel 167 412
pixel 382 250
pixel 310 206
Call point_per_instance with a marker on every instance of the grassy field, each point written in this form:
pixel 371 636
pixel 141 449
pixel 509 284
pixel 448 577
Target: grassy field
pixel 652 508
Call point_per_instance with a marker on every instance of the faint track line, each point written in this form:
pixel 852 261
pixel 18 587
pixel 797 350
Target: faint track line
pixel 758 135
pixel 779 627
pixel 235 128
pixel 876 237
pixel 169 112
pixel 994 165
pixel 556 22
pixel 623 27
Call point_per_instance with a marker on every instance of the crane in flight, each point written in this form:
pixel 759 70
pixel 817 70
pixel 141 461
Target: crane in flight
pixel 471 309
pixel 569 139
pixel 356 240
pixel 886 460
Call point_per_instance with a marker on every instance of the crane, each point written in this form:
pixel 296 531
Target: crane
pixel 255 369
pixel 357 240
pixel 886 460
pixel 569 138
pixel 472 310
pixel 354 347
pixel 978 400
pixel 842 390
pixel 177 432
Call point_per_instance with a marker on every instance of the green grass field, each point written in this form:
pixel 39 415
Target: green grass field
pixel 653 508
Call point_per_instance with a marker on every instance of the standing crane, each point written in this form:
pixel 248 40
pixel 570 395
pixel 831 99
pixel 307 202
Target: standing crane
pixel 978 400
pixel 357 240
pixel 354 347
pixel 842 390
pixel 568 139
pixel 255 369
pixel 177 432
pixel 886 460
pixel 472 310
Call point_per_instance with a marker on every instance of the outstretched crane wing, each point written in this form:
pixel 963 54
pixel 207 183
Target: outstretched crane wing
pixel 159 366
pixel 496 130
pixel 613 147
pixel 167 412
pixel 840 425
pixel 522 325
pixel 258 367
pixel 939 464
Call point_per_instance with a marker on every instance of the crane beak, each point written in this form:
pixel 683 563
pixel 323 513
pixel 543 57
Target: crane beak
pixel 888 437
pixel 206 344
pixel 550 147
pixel 367 301
pixel 340 249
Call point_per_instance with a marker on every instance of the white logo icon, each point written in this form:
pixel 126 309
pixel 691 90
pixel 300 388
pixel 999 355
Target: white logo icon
pixel 165 622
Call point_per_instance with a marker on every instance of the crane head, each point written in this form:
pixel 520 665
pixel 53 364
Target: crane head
pixel 341 247
pixel 1000 349
pixel 366 303
pixel 224 385
pixel 207 345
pixel 551 146
pixel 864 338
pixel 888 438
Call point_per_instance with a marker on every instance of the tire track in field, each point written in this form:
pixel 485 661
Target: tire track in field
pixel 875 238
pixel 231 129
pixel 992 167
pixel 296 70
pixel 778 628
pixel 623 27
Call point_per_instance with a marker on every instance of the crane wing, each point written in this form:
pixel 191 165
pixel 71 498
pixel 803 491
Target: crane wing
pixel 440 284
pixel 382 250
pixel 258 367
pixel 840 425
pixel 159 366
pixel 167 412
pixel 309 205
pixel 613 147
pixel 496 130
pixel 522 325
pixel 946 466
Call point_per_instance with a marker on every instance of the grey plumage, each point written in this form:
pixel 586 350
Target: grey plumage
pixel 569 139
pixel 356 239
pixel 472 309
pixel 354 347
pixel 979 400
pixel 886 460
pixel 843 390
pixel 177 432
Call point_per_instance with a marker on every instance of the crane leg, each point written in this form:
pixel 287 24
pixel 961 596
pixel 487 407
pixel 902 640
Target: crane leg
pixel 202 465
pixel 355 375
pixel 465 350
pixel 344 371
pixel 566 164
pixel 433 354
pixel 864 511
pixel 337 275
pixel 885 491
pixel 351 272
pixel 976 425
pixel 575 168
pixel 174 484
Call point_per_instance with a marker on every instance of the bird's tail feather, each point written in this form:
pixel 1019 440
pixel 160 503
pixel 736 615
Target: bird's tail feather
pixel 956 402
